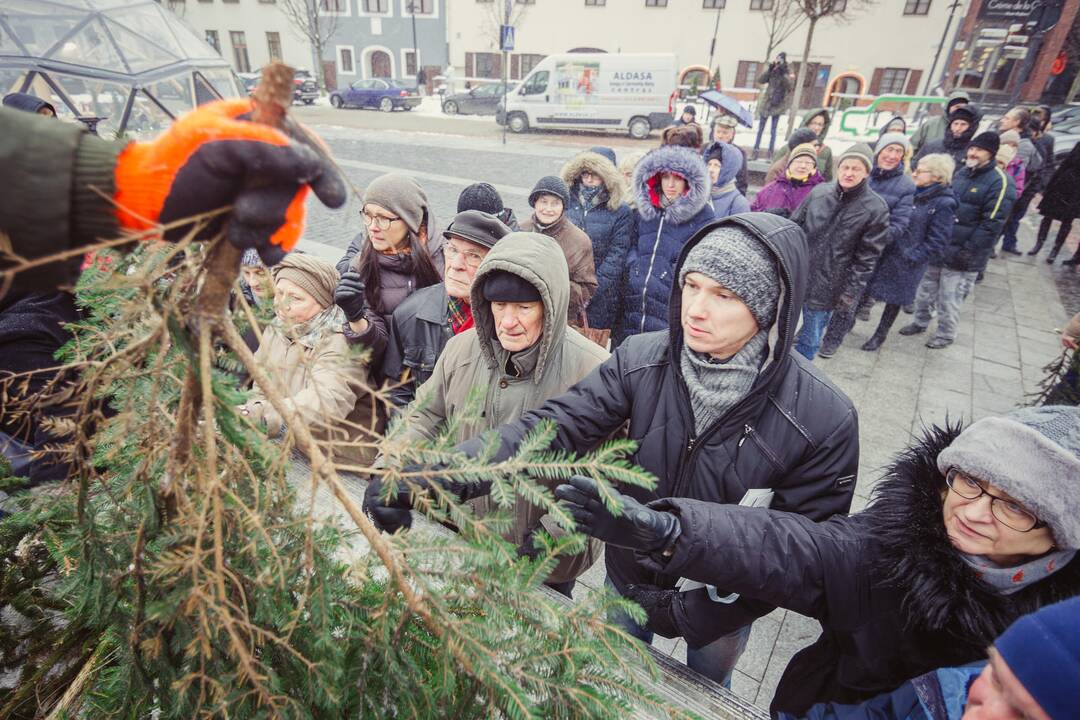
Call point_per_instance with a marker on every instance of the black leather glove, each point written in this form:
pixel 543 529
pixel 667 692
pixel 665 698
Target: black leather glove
pixel 350 296
pixel 659 604
pixel 391 514
pixel 636 527
pixel 528 548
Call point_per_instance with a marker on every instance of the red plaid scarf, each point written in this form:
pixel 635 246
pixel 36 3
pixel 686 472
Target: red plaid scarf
pixel 460 315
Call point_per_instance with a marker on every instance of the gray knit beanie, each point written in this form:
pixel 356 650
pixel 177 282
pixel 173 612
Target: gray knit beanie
pixel 401 195
pixel 860 152
pixel 891 138
pixel 1033 454
pixel 732 256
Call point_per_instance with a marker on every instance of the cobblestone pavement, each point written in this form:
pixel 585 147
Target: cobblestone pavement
pixel 1007 335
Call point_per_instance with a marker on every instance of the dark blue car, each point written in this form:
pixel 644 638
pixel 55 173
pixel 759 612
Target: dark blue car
pixel 383 93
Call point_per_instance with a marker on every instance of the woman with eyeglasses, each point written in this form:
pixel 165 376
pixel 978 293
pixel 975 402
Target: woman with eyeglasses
pixel 967 532
pixel 399 252
pixel 904 261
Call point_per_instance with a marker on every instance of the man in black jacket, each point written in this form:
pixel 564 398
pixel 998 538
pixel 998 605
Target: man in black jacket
pixel 847 227
pixel 766 431
pixel 422 324
pixel 985 195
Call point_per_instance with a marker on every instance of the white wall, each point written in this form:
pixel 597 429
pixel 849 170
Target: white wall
pixel 255 19
pixel 878 36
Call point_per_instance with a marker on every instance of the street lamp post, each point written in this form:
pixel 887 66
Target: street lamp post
pixel 941 45
pixel 712 45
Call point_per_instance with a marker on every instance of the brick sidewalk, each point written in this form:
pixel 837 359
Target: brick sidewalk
pixel 1007 334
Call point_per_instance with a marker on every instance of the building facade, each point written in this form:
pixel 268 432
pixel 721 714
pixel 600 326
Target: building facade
pixel 248 33
pixel 386 39
pixel 881 46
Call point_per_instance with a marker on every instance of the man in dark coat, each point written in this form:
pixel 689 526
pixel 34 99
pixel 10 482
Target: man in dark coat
pixel 722 432
pixel 963 124
pixel 985 195
pixel 847 227
pixel 29 103
pixel 934 128
pixel 908 585
pixel 421 325
pixel 1060 201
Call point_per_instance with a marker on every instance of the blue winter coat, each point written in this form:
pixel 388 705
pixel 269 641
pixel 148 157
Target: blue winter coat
pixel 897 190
pixel 938 695
pixel 903 262
pixel 726 198
pixel 661 233
pixel 609 223
pixel 984 197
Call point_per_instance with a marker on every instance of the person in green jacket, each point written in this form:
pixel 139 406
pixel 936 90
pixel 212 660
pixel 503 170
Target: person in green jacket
pixel 933 128
pixel 68 189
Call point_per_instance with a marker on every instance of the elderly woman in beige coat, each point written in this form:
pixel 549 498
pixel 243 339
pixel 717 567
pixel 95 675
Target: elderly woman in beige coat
pixel 305 348
pixel 522 351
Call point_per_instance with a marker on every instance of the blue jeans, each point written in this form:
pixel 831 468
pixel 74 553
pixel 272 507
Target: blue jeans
pixel 814 323
pixel 715 660
pixel 772 136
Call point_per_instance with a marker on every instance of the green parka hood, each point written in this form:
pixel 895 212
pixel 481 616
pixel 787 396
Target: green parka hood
pixel 538 260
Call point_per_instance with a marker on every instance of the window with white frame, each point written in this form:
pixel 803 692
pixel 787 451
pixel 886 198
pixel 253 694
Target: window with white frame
pixel 375 7
pixel 410 62
pixel 917 7
pixel 892 81
pixel 345 64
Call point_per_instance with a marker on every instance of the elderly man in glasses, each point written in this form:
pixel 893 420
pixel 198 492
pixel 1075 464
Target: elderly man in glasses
pixel 427 319
pixel 965 533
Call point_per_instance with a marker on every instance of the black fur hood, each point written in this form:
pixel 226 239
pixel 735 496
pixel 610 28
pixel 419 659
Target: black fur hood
pixel 940 592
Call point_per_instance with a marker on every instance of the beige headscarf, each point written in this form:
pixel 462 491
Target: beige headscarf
pixel 315 275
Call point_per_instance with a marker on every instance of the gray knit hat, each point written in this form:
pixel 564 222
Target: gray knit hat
pixel 315 275
pixel 891 138
pixel 401 195
pixel 1033 454
pixel 862 152
pixel 732 256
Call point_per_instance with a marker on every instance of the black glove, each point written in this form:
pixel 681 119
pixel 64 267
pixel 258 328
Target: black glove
pixel 391 514
pixel 659 604
pixel 351 296
pixel 528 548
pixel 637 527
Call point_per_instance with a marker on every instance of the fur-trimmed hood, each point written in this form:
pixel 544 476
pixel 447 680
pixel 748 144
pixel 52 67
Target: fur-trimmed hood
pixel 597 164
pixel 941 593
pixel 684 162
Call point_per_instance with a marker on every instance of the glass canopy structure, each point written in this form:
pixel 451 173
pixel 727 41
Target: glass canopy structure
pixel 131 64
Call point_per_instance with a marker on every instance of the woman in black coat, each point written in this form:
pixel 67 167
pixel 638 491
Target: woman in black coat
pixel 1060 201
pixel 967 532
pixel 904 261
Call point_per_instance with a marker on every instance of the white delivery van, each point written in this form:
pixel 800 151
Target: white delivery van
pixel 596 91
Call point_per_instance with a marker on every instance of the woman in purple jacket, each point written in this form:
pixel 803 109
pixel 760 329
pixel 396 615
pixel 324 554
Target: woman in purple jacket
pixel 787 191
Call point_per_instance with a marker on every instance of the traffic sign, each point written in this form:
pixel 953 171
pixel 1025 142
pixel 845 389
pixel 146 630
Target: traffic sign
pixel 506 38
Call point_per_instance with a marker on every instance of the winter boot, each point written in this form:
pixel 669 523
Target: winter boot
pixel 909 309
pixel 1053 254
pixel 936 343
pixel 1038 246
pixel 1074 260
pixel 828 349
pixel 875 340
pixel 912 329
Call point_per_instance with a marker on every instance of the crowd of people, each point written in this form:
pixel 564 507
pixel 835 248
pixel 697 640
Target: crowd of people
pixel 713 307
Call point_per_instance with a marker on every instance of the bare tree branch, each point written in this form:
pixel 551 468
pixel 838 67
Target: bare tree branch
pixel 781 20
pixel 316 21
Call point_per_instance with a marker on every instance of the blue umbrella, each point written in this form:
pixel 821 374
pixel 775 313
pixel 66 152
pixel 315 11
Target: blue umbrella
pixel 729 105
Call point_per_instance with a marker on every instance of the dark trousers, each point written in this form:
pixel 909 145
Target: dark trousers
pixel 1044 231
pixel 774 120
pixel 1019 209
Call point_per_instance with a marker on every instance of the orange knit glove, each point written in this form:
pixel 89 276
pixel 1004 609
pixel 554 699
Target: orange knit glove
pixel 212 157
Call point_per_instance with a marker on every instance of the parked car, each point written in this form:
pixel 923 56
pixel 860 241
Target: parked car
pixel 481 100
pixel 306 90
pixel 385 94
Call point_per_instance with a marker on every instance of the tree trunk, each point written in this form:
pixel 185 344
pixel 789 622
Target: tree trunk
pixel 796 97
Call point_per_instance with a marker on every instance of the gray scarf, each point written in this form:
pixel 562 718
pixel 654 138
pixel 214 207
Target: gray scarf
pixel 716 385
pixel 590 196
pixel 1008 580
pixel 311 332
